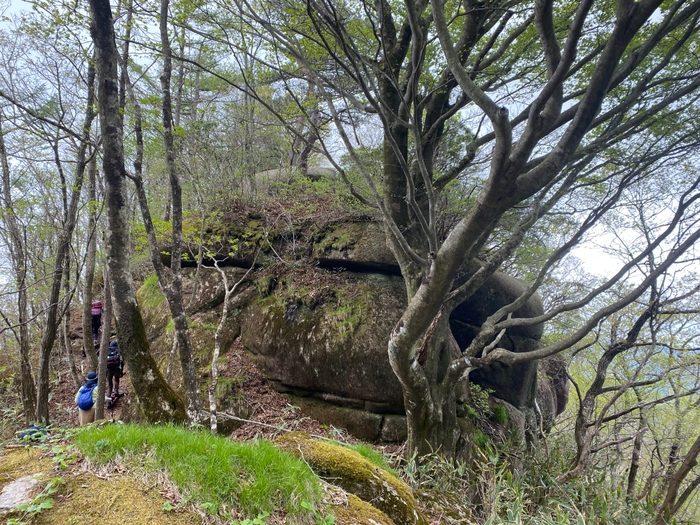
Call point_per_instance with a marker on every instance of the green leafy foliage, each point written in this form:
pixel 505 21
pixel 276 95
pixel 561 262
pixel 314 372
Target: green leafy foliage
pixel 320 518
pixel 259 520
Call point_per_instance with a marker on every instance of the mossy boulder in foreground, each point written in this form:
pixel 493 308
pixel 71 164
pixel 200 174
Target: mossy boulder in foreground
pixel 356 475
pixel 358 512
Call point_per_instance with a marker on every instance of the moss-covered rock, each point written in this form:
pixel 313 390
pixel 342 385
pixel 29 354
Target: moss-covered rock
pixel 22 462
pixel 337 345
pixel 324 333
pixel 356 475
pixel 154 308
pixel 355 243
pixel 358 512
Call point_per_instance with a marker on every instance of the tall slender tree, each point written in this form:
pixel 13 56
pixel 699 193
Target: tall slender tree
pixel 157 400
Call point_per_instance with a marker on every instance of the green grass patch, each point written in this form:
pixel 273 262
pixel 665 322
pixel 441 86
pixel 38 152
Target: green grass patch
pixel 253 477
pixel 500 414
pixel 150 297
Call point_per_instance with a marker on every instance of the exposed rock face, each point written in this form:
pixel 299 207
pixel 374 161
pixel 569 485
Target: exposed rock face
pixel 356 246
pixel 322 337
pixel 307 350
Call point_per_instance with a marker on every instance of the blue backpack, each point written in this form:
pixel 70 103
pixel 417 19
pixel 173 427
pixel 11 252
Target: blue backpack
pixel 85 397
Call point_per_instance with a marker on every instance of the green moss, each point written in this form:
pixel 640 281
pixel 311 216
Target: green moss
pixel 227 387
pixel 356 475
pixel 341 237
pixel 342 305
pixel 266 285
pixel 360 512
pixel 18 463
pixel 119 499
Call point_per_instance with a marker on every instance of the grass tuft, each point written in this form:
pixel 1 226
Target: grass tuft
pixel 252 477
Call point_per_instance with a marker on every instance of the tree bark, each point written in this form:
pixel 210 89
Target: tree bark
pixel 636 455
pixel 173 288
pixel 158 402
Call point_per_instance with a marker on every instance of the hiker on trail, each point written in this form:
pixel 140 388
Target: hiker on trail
pixel 86 399
pixel 115 368
pixel 96 319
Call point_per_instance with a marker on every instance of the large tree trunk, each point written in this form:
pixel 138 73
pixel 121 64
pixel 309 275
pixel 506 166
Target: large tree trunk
pixel 158 402
pixel 19 259
pixel 431 409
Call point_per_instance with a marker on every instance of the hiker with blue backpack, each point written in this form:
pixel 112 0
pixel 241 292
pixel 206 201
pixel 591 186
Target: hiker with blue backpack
pixel 86 399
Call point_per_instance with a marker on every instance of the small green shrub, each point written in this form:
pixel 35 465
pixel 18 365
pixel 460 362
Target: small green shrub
pixel 479 399
pixel 480 439
pixel 500 414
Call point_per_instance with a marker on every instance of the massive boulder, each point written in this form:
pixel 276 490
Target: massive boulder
pixel 321 336
pixel 307 351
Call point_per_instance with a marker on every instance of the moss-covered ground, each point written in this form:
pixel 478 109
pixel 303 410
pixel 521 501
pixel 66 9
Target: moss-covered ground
pixel 82 497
